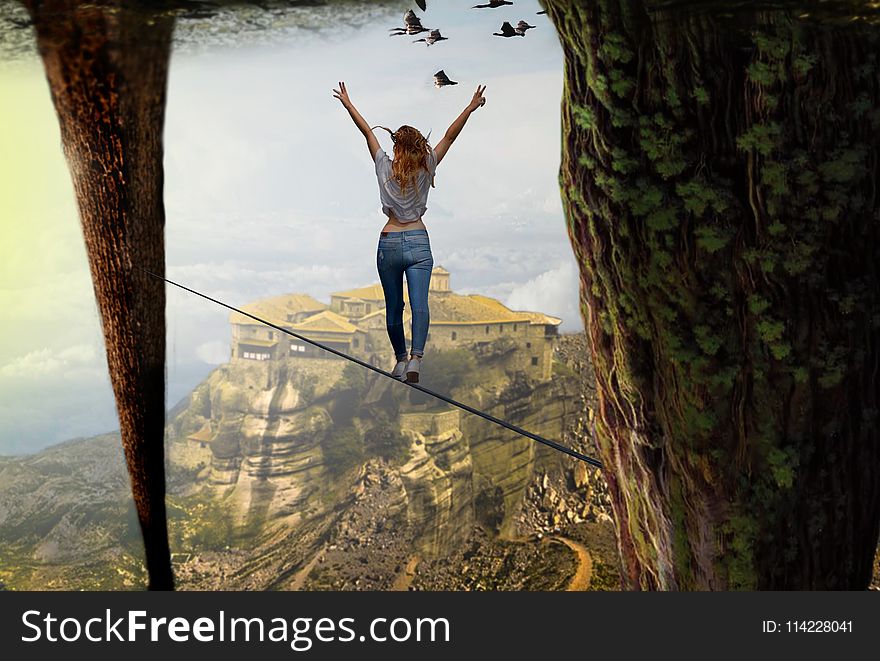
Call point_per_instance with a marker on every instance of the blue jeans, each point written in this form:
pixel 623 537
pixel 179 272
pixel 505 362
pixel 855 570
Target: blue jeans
pixel 407 251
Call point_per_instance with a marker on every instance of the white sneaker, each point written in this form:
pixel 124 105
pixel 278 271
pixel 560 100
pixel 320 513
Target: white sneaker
pixel 412 370
pixel 399 370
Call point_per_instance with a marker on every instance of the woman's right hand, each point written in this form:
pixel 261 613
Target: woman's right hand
pixel 479 100
pixel 342 95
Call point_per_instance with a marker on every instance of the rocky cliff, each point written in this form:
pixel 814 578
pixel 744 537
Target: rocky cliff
pixel 282 442
pixel 319 474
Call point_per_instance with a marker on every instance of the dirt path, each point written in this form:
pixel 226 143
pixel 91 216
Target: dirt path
pixel 300 578
pixel 580 582
pixel 405 578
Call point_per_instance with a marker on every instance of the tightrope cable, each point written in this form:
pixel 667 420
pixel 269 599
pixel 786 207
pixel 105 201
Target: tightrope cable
pixel 449 400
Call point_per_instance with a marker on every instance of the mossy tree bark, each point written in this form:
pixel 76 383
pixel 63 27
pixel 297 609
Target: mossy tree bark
pixel 719 178
pixel 106 64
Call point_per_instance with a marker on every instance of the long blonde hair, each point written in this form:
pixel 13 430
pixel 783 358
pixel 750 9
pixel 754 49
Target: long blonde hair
pixel 411 150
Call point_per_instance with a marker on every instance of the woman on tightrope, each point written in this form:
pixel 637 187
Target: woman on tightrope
pixel 403 243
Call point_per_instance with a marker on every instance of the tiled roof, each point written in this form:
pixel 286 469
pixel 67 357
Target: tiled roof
pixel 373 314
pixel 541 318
pixel 254 342
pixel 372 292
pixel 456 308
pixel 447 308
pixel 377 319
pixel 276 308
pixel 375 292
pixel 327 321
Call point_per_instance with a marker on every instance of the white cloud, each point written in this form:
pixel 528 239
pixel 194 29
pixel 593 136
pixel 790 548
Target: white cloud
pixel 236 282
pixel 74 361
pixel 554 292
pixel 552 203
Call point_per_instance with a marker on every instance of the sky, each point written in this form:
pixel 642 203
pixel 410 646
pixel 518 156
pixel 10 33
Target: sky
pixel 270 189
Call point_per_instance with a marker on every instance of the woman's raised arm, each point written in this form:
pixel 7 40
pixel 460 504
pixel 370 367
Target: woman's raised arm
pixel 360 122
pixel 455 128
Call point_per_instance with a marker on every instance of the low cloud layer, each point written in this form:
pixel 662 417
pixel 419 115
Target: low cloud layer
pixel 73 362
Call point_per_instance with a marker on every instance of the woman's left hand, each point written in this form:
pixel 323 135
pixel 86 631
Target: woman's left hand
pixel 342 95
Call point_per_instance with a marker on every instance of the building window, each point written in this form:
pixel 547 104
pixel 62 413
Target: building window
pixel 534 360
pixel 487 330
pixel 355 342
pixel 528 345
pixel 369 307
pixel 271 335
pixel 454 335
pixel 514 328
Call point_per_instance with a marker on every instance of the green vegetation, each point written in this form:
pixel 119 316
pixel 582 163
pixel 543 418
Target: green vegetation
pixel 199 523
pixel 385 440
pixel 451 368
pixel 343 450
pixel 724 255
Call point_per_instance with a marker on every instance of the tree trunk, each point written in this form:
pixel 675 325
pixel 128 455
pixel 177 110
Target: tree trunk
pixel 719 179
pixel 107 65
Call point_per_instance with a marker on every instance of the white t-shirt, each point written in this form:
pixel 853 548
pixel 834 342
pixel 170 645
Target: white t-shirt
pixel 410 207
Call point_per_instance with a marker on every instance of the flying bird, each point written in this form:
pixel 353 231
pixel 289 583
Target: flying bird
pixel 422 4
pixel 543 11
pixel 412 25
pixel 409 18
pixel 522 26
pixel 441 79
pixel 432 38
pixel 507 30
pixel 493 4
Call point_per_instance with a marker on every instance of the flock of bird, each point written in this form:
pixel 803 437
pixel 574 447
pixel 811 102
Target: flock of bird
pixel 412 25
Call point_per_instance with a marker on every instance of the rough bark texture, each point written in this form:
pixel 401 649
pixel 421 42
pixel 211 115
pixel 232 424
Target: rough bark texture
pixel 719 178
pixel 107 64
